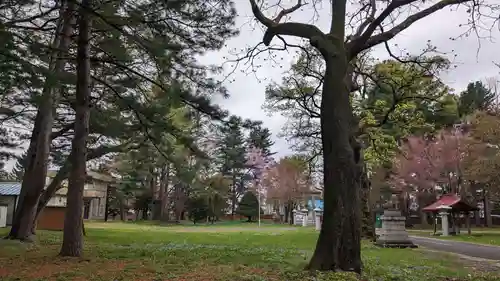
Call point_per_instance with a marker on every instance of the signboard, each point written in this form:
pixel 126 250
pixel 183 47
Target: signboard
pixel 318 203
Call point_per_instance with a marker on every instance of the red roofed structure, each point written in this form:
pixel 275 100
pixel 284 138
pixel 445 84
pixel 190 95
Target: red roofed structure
pixel 451 200
pixel 457 206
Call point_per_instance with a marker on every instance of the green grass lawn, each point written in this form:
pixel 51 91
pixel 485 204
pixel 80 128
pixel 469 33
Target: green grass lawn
pixel 479 235
pixel 126 251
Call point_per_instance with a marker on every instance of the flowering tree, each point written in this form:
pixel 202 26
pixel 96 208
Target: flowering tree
pixel 287 182
pixel 425 163
pixel 259 165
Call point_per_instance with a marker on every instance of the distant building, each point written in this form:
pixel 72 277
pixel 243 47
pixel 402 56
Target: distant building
pixel 9 196
pixel 95 195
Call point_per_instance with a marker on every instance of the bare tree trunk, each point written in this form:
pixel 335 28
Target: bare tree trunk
pixel 73 222
pixel 435 223
pixel 35 174
pixel 287 212
pixel 421 204
pixel 487 212
pixel 164 212
pixel 339 243
pixel 367 226
pixel 122 209
pixel 233 197
pixel 467 222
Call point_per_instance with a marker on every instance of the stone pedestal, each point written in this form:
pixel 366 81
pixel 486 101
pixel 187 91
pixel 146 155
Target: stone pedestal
pixel 304 217
pixel 393 232
pixel 444 212
pixel 317 215
pixel 296 217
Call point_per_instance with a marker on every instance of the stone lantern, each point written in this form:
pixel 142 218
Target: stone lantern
pixel 393 233
pixel 444 212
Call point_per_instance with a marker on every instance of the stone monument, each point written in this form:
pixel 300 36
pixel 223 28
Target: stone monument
pixel 393 233
pixel 317 215
pixel 444 212
pixel 305 218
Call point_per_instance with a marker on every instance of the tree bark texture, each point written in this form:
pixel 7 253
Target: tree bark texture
pixel 73 222
pixel 164 212
pixel 338 246
pixel 38 151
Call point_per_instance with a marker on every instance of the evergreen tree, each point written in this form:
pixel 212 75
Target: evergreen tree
pixel 18 170
pixel 231 154
pixel 198 209
pixel 260 137
pixel 125 37
pixel 4 175
pixel 248 206
pixel 476 97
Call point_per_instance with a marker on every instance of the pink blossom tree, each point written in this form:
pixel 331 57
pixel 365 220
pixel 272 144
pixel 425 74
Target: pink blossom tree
pixel 287 182
pixel 425 163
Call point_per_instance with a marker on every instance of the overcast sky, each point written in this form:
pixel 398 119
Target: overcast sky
pixel 247 90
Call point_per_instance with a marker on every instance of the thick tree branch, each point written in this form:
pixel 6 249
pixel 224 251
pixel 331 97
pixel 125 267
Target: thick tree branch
pixel 371 23
pixel 7 111
pixel 274 28
pixel 63 130
pixel 365 41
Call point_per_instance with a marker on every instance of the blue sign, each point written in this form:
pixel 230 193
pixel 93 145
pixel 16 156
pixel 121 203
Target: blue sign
pixel 318 203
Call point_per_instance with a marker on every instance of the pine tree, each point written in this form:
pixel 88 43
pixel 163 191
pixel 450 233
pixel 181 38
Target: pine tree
pixel 4 175
pixel 248 206
pixel 260 137
pixel 18 170
pixel 119 30
pixel 232 157
pixel 476 97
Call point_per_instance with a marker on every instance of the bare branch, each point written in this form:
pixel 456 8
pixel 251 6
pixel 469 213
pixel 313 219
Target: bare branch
pixel 365 41
pixel 288 11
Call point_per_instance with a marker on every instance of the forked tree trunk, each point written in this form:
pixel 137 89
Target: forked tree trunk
pixel 38 151
pixel 48 193
pixel 73 222
pixel 338 245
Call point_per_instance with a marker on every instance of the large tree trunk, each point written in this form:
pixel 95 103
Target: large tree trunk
pixel 338 245
pixel 163 196
pixel 38 151
pixel 73 222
